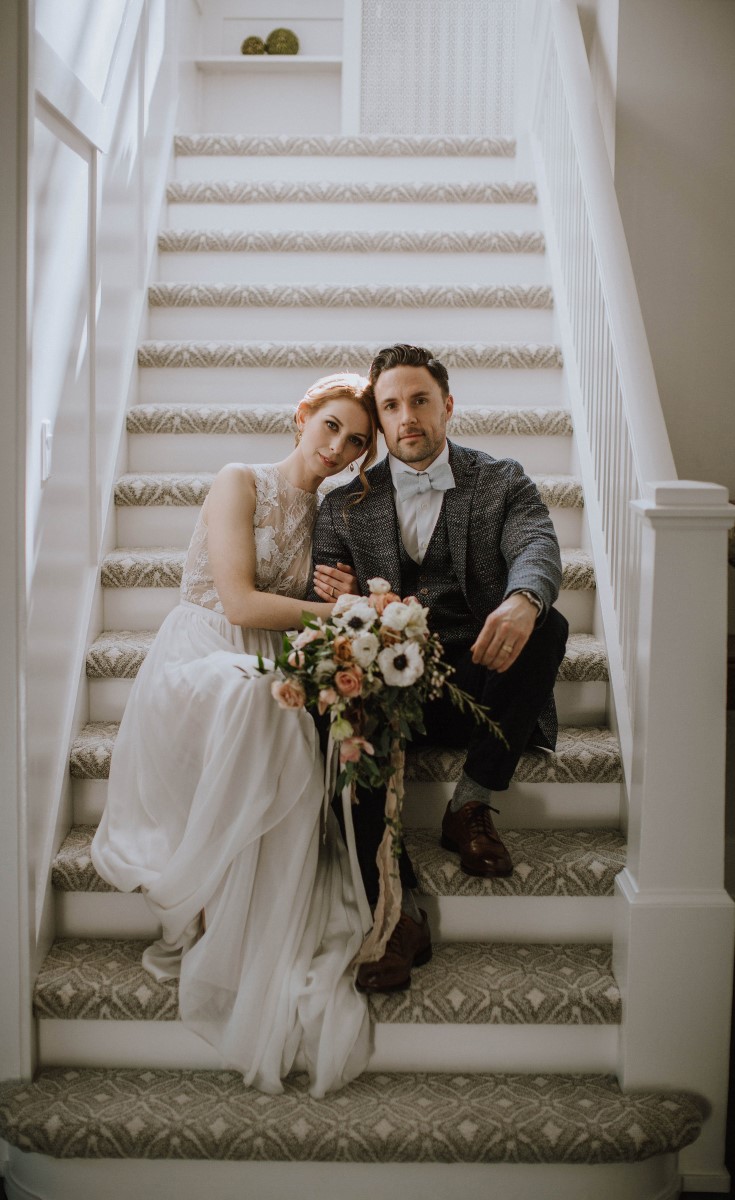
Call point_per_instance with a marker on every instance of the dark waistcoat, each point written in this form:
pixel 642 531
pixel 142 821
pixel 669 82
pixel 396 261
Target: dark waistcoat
pixel 435 585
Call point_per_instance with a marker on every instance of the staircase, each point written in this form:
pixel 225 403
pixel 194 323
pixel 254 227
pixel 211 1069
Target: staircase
pixel 280 260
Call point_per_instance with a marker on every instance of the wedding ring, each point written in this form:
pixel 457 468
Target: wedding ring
pixel 508 649
pixel 334 592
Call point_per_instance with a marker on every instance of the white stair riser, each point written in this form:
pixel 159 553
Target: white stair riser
pixel 209 452
pixel 171 525
pixel 523 806
pixel 352 324
pixel 286 385
pixel 145 608
pixel 577 703
pixel 291 267
pixel 109 1179
pixel 467 1048
pixel 479 168
pixel 369 215
pixel 580 919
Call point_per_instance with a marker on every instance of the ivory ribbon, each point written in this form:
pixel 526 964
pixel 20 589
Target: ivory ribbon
pixel 379 926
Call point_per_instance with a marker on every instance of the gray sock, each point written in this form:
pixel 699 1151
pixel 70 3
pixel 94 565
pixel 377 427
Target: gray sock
pixel 467 790
pixel 409 905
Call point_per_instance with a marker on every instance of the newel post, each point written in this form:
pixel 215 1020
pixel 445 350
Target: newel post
pixel 674 920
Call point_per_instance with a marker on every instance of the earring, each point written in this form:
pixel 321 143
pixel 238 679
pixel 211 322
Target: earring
pixel 298 436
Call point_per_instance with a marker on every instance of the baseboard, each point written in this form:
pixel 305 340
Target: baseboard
pixel 35 1177
pixel 717 1182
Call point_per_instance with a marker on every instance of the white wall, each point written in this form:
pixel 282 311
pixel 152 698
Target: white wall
pixel 101 142
pixel 675 180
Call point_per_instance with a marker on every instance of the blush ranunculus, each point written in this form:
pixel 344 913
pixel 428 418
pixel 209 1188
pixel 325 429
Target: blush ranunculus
pixel 380 601
pixel 327 697
pixel 296 658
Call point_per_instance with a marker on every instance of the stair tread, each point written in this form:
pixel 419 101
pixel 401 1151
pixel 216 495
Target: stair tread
pixel 118 654
pixel 337 356
pixel 548 862
pixel 340 145
pixel 465 983
pixel 584 754
pixel 467 420
pixel 185 489
pixel 335 295
pixel 454 1118
pixel 161 566
pixel 230 191
pixel 345 241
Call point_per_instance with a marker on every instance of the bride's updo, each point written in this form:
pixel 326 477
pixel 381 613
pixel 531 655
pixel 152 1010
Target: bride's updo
pixel 345 385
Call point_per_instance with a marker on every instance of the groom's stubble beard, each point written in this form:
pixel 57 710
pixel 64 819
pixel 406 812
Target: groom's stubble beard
pixel 421 449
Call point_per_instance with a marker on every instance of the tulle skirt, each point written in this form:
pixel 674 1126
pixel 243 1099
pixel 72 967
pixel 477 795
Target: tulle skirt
pixel 216 810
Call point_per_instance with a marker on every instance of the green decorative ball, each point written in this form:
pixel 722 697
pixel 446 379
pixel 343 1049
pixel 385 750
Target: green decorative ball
pixel 253 45
pixel 282 41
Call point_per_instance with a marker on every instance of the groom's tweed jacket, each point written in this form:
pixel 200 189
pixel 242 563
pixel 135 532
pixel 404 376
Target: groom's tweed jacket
pixel 500 532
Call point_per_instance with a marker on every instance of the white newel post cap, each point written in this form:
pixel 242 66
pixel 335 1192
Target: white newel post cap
pixel 686 500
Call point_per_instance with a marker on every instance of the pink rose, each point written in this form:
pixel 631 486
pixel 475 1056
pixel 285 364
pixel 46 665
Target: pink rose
pixel 296 658
pixel 380 601
pixel 289 693
pixel 352 747
pixel 348 682
pixel 327 697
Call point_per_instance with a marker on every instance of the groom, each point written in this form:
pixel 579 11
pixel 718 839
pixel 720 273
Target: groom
pixel 469 536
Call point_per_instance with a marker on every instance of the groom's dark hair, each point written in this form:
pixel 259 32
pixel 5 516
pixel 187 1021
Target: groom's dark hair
pixel 402 355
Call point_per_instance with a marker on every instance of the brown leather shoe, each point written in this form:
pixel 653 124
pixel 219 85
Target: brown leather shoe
pixel 472 834
pixel 409 946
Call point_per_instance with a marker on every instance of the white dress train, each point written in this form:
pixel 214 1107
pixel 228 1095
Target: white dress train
pixel 215 805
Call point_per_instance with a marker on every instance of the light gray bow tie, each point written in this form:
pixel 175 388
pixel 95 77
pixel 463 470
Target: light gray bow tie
pixel 411 483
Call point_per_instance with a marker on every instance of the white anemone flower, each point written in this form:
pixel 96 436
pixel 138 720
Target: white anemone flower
pixel 358 619
pixel 365 648
pixel 343 602
pixel 401 665
pixel 396 615
pixel 417 625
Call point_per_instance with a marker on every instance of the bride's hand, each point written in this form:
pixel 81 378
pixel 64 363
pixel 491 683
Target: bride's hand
pixel 331 582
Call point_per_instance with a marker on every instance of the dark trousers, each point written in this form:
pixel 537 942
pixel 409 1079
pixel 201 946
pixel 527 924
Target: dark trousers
pixel 515 699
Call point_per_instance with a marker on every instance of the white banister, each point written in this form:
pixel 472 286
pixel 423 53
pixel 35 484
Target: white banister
pixel 659 546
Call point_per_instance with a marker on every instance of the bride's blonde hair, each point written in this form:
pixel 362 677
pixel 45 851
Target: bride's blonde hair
pixel 346 386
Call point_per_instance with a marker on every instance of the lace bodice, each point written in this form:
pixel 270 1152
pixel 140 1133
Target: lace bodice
pixel 283 525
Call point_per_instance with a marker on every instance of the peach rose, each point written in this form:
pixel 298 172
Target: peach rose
pixel 380 601
pixel 289 693
pixel 342 649
pixel 352 747
pixel 348 681
pixel 327 697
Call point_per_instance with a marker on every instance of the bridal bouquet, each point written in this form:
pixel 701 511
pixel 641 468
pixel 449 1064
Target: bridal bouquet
pixel 371 666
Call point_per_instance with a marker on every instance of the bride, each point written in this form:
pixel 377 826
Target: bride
pixel 215 797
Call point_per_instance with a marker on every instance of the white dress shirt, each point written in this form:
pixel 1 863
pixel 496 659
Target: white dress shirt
pixel 417 515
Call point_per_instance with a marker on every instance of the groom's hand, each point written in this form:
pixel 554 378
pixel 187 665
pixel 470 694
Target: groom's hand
pixel 505 633
pixel 331 582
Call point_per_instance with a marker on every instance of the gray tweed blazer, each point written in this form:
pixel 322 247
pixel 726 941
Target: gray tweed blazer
pixel 502 538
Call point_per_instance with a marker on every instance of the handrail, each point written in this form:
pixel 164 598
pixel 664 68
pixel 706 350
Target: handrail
pixel 639 392
pixel 623 444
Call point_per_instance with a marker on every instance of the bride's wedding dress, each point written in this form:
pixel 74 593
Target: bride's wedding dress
pixel 215 807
